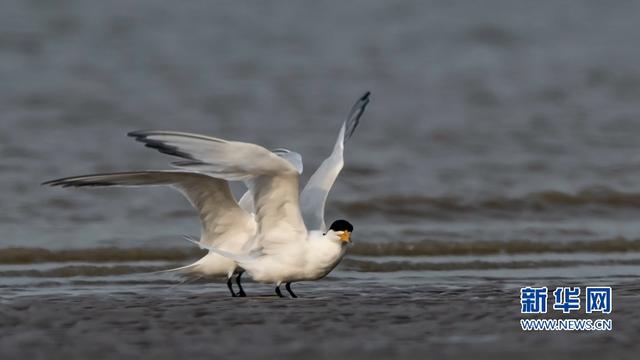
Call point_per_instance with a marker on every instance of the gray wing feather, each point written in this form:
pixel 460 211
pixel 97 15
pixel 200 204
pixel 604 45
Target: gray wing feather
pixel 221 217
pixel 314 195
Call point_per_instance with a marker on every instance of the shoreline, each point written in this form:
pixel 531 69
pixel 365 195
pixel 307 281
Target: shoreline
pixel 341 318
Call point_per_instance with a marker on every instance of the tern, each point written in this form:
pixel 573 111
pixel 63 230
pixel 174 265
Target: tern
pixel 274 233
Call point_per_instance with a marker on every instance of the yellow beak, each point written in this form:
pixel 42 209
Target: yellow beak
pixel 345 236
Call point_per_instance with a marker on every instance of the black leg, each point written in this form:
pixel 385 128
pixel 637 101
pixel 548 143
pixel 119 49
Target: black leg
pixel 241 293
pixel 230 287
pixel 278 291
pixel 288 286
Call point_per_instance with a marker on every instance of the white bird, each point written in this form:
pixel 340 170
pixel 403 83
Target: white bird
pixel 230 228
pixel 283 249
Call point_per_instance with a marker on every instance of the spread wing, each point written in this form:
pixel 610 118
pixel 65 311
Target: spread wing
pixel 272 180
pixel 295 159
pixel 314 195
pixel 221 218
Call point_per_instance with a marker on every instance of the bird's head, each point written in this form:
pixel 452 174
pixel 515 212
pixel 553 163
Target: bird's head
pixel 340 230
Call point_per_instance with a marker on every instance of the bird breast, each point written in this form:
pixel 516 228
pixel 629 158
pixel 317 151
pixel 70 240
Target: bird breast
pixel 322 257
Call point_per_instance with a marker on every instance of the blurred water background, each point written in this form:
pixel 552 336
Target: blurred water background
pixel 501 140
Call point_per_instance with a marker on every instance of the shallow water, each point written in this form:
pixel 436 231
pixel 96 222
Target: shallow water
pixel 500 144
pixel 485 124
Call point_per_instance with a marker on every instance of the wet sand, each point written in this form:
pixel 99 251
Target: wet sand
pixel 339 318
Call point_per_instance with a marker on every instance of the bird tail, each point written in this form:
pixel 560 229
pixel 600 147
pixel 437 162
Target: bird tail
pixel 235 257
pixel 186 270
pixel 182 269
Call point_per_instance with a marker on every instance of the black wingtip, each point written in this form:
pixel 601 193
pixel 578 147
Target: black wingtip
pixel 73 182
pixel 356 112
pixel 188 163
pixel 137 134
pixel 165 149
pixel 57 182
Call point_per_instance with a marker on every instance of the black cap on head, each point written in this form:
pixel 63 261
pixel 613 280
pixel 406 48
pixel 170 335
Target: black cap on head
pixel 341 225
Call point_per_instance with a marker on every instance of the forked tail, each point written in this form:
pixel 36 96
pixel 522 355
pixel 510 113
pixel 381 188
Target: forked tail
pixel 235 257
